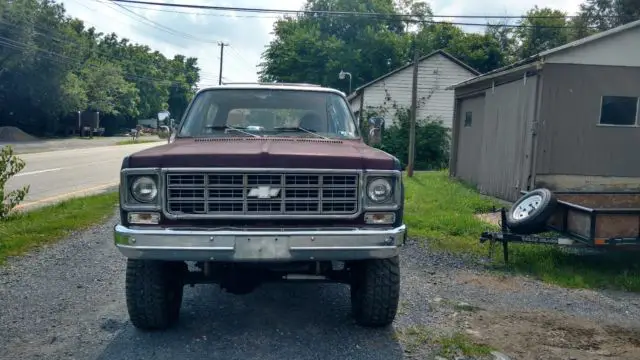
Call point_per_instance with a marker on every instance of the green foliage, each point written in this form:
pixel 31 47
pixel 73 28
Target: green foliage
pixel 546 29
pixel 52 66
pixel 480 51
pixel 607 14
pixel 314 49
pixel 367 47
pixel 432 139
pixel 9 166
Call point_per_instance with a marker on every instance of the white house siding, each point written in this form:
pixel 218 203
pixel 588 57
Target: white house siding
pixel 355 104
pixel 435 74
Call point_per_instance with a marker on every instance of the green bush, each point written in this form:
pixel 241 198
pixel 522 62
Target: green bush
pixel 433 140
pixel 9 166
pixel 163 134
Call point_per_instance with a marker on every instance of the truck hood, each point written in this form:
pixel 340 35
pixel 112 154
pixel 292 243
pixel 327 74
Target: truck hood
pixel 284 152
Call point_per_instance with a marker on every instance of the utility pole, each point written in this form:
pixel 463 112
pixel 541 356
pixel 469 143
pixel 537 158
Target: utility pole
pixel 414 110
pixel 222 45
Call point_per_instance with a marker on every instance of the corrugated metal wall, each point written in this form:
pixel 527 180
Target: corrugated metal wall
pixel 495 156
pixel 470 139
pixel 570 141
pixel 509 114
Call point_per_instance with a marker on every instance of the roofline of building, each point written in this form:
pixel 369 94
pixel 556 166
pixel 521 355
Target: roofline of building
pixel 541 56
pixel 513 68
pixel 431 54
pixel 353 95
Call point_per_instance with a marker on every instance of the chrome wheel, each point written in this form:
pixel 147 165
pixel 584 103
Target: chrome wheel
pixel 527 207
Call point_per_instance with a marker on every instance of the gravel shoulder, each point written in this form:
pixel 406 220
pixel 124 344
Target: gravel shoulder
pixel 66 301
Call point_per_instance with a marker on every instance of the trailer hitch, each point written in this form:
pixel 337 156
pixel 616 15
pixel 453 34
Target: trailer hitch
pixel 503 236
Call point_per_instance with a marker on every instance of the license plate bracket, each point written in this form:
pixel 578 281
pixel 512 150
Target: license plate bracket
pixel 261 247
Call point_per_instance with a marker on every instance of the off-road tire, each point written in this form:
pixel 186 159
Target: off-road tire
pixel 375 291
pixel 154 293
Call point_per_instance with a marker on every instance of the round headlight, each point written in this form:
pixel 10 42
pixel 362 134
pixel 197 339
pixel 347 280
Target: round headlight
pixel 144 189
pixel 379 190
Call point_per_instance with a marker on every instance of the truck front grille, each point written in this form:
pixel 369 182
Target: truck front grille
pixel 225 193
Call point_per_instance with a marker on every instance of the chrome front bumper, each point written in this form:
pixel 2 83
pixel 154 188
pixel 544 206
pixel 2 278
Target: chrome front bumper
pixel 267 245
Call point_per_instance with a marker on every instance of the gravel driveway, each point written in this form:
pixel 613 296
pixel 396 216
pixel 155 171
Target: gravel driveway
pixel 67 302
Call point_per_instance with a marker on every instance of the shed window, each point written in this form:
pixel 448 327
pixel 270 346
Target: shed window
pixel 619 110
pixel 468 119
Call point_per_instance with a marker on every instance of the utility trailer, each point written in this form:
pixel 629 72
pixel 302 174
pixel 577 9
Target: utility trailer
pixel 603 220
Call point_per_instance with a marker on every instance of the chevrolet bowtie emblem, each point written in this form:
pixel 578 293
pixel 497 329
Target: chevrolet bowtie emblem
pixel 264 192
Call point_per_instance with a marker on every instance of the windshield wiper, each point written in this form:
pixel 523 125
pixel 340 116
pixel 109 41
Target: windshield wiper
pixel 227 127
pixel 299 129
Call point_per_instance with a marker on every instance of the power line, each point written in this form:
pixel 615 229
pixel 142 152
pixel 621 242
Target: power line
pixel 332 12
pixel 411 18
pixel 237 53
pixel 157 25
pixel 203 74
pixel 160 26
pixel 204 13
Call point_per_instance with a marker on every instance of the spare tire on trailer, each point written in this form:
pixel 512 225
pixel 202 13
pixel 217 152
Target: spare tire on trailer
pixel 530 213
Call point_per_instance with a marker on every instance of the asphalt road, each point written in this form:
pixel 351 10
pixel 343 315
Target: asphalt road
pixel 56 175
pixel 28 147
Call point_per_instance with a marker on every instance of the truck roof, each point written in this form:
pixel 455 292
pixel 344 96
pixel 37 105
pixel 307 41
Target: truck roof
pixel 275 86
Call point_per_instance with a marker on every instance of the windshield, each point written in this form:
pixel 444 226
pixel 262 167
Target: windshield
pixel 269 112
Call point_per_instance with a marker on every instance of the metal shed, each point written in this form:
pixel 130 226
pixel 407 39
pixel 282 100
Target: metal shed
pixel 566 119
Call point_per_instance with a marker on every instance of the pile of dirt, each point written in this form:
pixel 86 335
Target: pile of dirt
pixel 13 134
pixel 548 335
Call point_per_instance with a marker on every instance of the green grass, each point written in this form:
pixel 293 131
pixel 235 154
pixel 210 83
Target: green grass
pixel 139 141
pixel 25 231
pixel 420 339
pixel 442 211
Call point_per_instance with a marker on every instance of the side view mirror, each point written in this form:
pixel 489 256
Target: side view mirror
pixel 375 132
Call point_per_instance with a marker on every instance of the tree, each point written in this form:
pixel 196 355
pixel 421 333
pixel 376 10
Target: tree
pixel 367 47
pixel 542 29
pixel 504 37
pixel 601 15
pixel 107 89
pixel 52 66
pixel 185 73
pixel 480 51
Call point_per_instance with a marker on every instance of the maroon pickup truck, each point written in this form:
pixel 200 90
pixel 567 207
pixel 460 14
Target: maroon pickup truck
pixel 258 183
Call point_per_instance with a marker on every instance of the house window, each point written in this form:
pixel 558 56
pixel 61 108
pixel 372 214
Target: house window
pixel 619 110
pixel 468 118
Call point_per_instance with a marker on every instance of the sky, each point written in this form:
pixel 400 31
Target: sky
pixel 196 33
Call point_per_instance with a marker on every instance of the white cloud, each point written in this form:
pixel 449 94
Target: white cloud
pixel 247 33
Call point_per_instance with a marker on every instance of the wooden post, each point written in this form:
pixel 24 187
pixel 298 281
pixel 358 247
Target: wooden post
pixel 414 110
